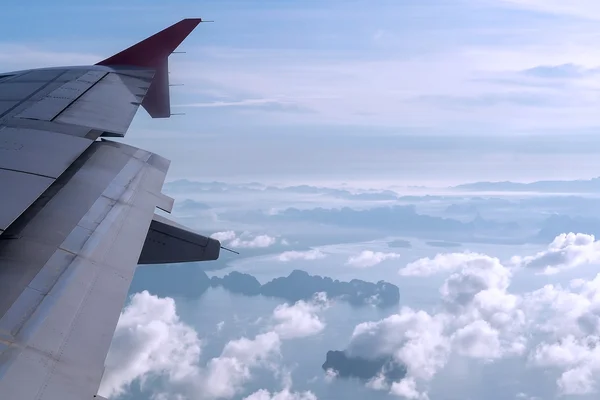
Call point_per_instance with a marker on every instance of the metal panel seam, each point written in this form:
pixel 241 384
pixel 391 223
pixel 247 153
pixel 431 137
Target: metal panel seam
pixel 78 97
pixel 27 172
pixel 31 95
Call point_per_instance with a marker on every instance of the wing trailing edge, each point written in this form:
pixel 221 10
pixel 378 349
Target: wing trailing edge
pixel 168 242
pixel 153 52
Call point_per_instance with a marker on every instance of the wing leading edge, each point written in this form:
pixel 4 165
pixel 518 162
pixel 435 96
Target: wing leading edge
pixel 70 243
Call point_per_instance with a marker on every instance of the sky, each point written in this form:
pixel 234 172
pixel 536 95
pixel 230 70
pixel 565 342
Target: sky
pixel 428 91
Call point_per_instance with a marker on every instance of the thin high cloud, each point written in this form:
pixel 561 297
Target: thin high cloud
pixel 369 84
pixel 313 254
pixel 385 71
pixel 584 9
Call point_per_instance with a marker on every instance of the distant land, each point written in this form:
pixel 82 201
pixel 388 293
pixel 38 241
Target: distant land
pixel 187 280
pixel 364 369
pixel 443 244
pixel 401 220
pixel 578 186
pixel 185 186
pixel 400 244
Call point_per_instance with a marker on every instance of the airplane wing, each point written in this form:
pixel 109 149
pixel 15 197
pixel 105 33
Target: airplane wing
pixel 77 214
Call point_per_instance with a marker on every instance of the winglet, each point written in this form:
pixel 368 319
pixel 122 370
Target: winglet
pixel 154 52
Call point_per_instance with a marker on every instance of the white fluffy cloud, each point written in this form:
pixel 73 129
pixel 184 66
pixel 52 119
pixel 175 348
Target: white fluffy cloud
pixel 223 236
pixel 568 250
pixel 313 254
pixel 255 242
pixel 414 337
pixel 244 240
pixel 285 394
pixel 225 375
pixel 300 319
pixel 553 326
pixel 570 318
pixel 149 340
pixel 368 258
pixel 443 263
pixel 152 342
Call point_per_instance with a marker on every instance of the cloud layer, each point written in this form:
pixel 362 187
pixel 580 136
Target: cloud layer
pixel 368 258
pixel 553 327
pixel 244 240
pixel 155 348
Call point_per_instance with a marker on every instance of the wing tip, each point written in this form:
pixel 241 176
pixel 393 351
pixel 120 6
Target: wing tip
pixel 151 51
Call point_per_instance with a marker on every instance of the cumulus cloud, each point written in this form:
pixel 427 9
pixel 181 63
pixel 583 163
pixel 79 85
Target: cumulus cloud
pixel 152 342
pixel 314 254
pixel 300 319
pixel 414 337
pixel 480 320
pixel 245 240
pixel 368 258
pixel 407 388
pixel 285 394
pixel 150 339
pixel 443 263
pixel 226 374
pixel 568 250
pixel 255 242
pixel 554 326
pixel 461 287
pixel 223 236
pixel 571 319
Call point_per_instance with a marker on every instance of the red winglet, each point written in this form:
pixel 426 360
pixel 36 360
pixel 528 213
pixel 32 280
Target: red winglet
pixel 154 52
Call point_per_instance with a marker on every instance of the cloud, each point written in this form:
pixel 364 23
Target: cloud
pixel 570 318
pixel 568 250
pixel 223 236
pixel 564 71
pixel 256 242
pixel 414 337
pixel 407 388
pixel 585 9
pixel 149 340
pixel 480 321
pixel 300 319
pixel 19 56
pixel 368 258
pixel 314 254
pixel 478 340
pixel 285 394
pixel 445 262
pixel 273 105
pixel 580 357
pixel 225 375
pixel 245 240
pixel 553 327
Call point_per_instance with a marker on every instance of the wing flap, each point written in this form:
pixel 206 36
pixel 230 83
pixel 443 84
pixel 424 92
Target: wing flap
pixel 22 189
pixel 38 152
pixel 168 242
pixel 57 330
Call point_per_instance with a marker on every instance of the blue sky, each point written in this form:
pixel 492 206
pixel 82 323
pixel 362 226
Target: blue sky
pixel 428 90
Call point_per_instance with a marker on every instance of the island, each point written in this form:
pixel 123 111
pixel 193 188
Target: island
pixel 189 281
pixel 364 369
pixel 300 285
